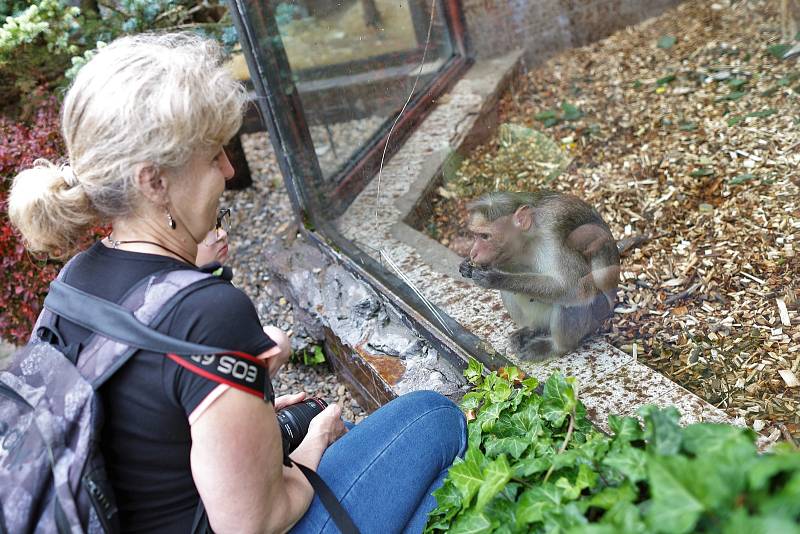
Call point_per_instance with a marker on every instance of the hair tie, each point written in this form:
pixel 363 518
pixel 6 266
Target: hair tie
pixel 69 175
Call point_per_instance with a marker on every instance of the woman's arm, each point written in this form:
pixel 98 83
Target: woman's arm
pixel 237 466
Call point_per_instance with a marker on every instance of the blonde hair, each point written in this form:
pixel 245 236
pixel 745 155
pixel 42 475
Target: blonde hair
pixel 149 98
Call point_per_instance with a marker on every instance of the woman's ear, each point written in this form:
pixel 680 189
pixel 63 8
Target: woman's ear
pixel 523 218
pixel 151 183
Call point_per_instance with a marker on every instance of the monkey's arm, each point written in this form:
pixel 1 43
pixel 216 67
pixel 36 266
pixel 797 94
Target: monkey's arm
pixel 540 287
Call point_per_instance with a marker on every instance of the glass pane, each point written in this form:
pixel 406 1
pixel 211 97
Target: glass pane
pixel 354 63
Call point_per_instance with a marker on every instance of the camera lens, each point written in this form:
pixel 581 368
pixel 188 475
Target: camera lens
pixel 295 419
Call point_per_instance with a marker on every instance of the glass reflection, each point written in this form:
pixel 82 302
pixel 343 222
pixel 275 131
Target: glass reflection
pixel 354 63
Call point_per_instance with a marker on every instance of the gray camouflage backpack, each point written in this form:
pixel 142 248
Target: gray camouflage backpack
pixel 52 477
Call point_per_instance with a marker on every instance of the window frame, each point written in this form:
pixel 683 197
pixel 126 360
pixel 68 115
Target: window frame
pixel 282 113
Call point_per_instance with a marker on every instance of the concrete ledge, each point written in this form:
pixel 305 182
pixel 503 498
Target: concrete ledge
pixel 367 340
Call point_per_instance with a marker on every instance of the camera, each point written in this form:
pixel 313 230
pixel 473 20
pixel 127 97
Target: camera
pixel 294 420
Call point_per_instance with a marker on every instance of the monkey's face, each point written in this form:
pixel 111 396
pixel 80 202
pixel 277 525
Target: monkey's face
pixel 496 242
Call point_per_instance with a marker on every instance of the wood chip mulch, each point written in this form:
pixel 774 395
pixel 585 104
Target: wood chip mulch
pixel 684 129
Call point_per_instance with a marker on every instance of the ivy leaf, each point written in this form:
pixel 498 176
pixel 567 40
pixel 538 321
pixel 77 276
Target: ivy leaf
pixel 673 508
pixel 495 476
pixel 559 399
pixel 767 467
pixel 448 501
pixel 501 391
pixel 569 490
pixel 512 374
pixel 487 417
pixel 666 41
pixel 687 126
pixel 625 429
pixel 610 496
pixel 587 478
pixel 707 438
pixel 535 502
pixel 741 522
pixel 474 371
pixel 632 463
pixel 471 401
pixel 530 383
pixel 466 475
pixel 724 455
pixel 526 421
pixel 531 466
pixel 474 432
pixel 448 495
pixel 471 522
pixel 514 446
pixel 502 510
pixel 662 432
pixel 626 519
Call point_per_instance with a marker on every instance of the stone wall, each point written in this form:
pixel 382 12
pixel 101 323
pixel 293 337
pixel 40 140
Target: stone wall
pixel 543 27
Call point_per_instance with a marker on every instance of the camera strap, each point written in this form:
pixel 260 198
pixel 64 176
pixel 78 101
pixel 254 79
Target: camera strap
pixel 327 497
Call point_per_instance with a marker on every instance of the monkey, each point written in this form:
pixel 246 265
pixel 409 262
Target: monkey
pixel 555 262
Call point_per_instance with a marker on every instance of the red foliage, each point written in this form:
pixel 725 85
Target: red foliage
pixel 23 279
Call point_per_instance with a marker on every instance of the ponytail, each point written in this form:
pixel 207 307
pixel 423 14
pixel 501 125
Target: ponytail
pixel 50 208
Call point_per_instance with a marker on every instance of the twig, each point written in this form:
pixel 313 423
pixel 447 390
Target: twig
pixel 683 294
pixel 522 481
pixel 112 7
pixel 570 428
pixel 787 435
pixel 627 243
pixel 189 25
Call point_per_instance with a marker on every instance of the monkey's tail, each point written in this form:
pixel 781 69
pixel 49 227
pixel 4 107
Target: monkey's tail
pixel 626 244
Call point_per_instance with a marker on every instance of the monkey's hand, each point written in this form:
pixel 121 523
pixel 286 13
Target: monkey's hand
pixel 466 268
pixel 486 277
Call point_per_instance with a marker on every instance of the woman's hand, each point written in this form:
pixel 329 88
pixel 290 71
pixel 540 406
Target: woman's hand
pixel 327 426
pixel 324 429
pixel 213 248
pixel 287 400
pixel 278 355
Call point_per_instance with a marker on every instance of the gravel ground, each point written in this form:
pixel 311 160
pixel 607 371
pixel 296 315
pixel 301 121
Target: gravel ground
pixel 259 213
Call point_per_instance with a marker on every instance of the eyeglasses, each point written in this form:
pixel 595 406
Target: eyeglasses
pixel 223 224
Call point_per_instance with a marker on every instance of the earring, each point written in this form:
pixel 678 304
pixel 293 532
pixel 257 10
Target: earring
pixel 170 220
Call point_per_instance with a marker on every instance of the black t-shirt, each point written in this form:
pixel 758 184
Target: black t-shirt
pixel 146 438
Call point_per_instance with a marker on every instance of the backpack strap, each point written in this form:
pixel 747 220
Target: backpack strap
pixel 123 329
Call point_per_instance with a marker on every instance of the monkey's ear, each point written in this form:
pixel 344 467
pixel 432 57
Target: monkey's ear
pixel 523 218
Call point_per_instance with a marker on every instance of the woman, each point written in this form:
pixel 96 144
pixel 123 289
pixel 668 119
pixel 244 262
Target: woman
pixel 144 124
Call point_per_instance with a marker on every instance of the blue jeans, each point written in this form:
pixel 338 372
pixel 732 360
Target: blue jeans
pixel 384 469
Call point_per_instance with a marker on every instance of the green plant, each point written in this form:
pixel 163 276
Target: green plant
pixel 35 45
pixel 45 44
pixel 535 464
pixel 310 356
pixel 24 279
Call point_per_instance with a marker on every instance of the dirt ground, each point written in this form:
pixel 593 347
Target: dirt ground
pixel 683 129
